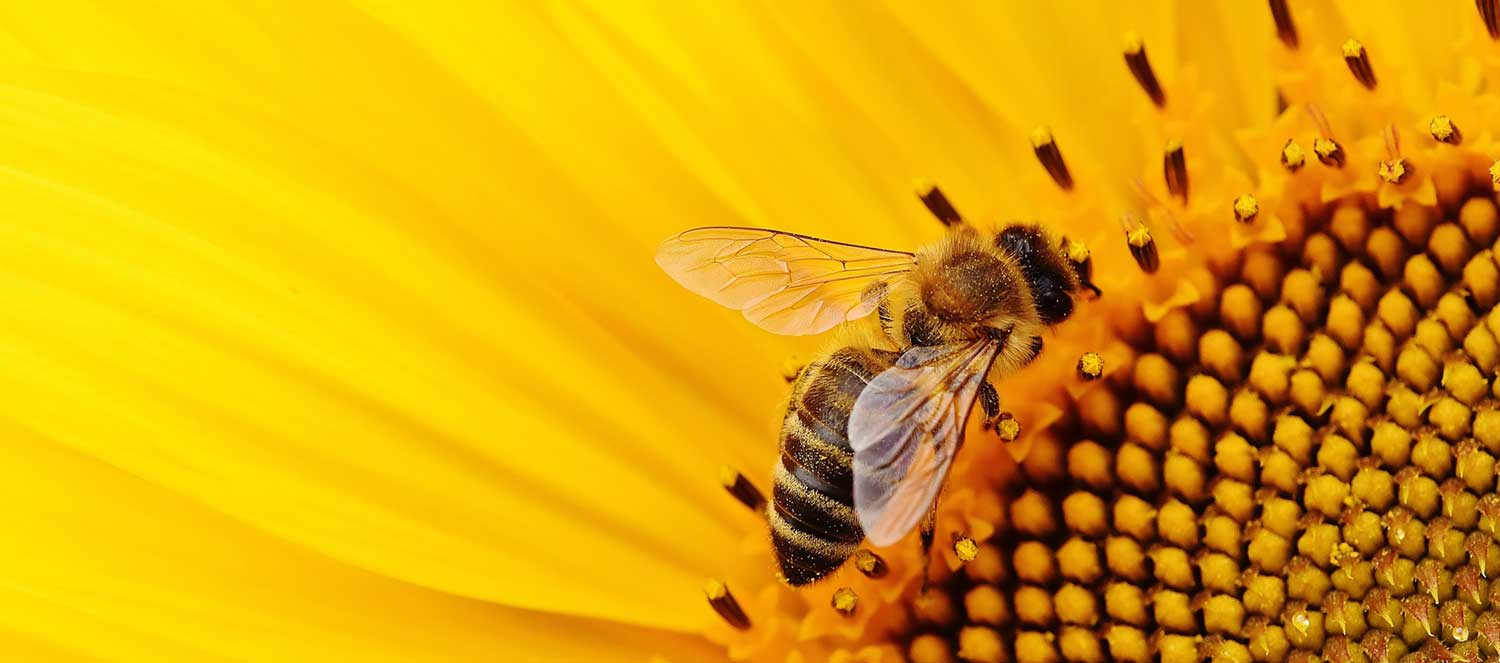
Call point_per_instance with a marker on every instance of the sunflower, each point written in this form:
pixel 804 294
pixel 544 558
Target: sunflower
pixel 333 330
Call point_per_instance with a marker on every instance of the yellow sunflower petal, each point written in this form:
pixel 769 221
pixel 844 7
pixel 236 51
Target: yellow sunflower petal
pixel 294 337
pixel 148 573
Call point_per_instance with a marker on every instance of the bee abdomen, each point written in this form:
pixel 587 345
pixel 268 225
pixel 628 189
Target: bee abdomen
pixel 814 527
pixel 815 434
pixel 804 557
pixel 796 496
pixel 825 464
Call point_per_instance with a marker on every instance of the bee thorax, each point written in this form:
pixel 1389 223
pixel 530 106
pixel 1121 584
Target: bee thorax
pixel 971 286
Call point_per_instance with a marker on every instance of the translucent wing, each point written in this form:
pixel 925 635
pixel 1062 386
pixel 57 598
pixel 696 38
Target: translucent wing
pixel 905 427
pixel 783 282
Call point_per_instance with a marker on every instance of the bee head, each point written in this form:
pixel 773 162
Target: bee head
pixel 1052 278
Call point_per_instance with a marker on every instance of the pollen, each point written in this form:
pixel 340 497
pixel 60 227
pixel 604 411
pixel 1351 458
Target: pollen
pixel 1329 152
pixel 965 549
pixel 1007 427
pixel 1444 130
pixel 1393 171
pixel 870 564
pixel 1090 366
pixel 1246 208
pixel 1142 247
pixel 845 601
pixel 1292 156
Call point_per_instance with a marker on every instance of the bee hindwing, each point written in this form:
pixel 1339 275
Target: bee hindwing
pixel 905 428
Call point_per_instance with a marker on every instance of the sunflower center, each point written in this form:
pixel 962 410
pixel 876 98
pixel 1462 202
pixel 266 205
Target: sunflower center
pixel 1301 466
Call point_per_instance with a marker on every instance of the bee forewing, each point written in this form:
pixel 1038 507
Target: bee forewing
pixel 783 282
pixel 905 428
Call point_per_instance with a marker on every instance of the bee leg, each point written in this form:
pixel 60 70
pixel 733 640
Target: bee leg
pixel 792 369
pixel 989 399
pixel 1093 288
pixel 929 527
pixel 887 321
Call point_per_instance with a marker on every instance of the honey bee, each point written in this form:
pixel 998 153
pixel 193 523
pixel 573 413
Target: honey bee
pixel 870 432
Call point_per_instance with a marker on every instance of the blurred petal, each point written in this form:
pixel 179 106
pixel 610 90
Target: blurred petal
pixel 233 302
pixel 103 565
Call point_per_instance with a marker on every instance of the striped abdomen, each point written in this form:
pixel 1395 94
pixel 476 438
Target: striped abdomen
pixel 813 525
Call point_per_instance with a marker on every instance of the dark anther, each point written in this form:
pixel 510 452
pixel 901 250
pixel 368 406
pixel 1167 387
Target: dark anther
pixel 724 603
pixel 1285 29
pixel 742 489
pixel 1140 67
pixel 939 205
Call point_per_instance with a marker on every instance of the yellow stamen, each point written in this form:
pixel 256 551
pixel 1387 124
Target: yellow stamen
pixel 1495 175
pixel 1007 427
pixel 725 604
pixel 938 204
pixel 1140 67
pixel 1444 130
pixel 1047 152
pixel 1077 252
pixel 1090 366
pixel 966 549
pixel 1358 60
pixel 1394 169
pixel 1174 170
pixel 870 564
pixel 1142 245
pixel 1292 156
pixel 1329 152
pixel 845 601
pixel 1246 208
pixel 1178 230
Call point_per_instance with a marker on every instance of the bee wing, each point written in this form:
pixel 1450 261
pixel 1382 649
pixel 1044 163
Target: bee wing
pixel 904 429
pixel 785 283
